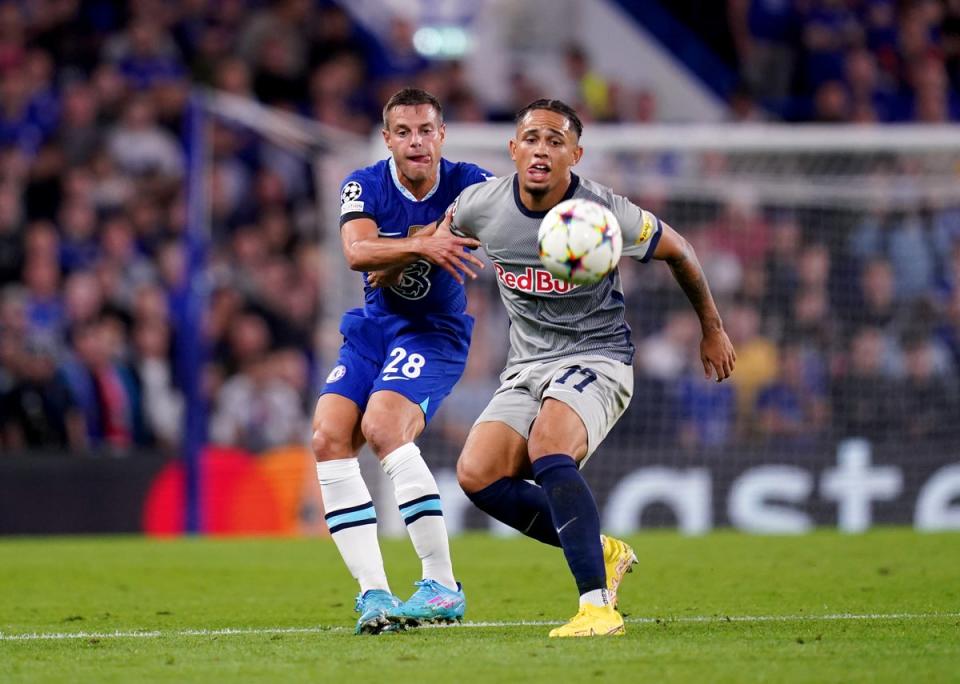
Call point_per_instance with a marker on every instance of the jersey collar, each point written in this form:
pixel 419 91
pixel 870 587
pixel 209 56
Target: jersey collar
pixel 574 184
pixel 406 193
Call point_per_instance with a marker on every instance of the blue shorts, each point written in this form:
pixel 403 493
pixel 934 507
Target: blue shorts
pixel 421 359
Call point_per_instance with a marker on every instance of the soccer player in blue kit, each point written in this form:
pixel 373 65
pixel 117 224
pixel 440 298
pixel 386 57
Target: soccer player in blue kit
pixel 402 354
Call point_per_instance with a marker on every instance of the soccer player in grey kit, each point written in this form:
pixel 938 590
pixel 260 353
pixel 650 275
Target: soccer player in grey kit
pixel 569 375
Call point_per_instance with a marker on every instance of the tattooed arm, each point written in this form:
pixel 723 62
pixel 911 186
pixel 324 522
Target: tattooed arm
pixel 716 352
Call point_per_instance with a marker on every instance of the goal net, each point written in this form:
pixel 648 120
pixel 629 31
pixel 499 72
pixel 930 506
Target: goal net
pixel 834 255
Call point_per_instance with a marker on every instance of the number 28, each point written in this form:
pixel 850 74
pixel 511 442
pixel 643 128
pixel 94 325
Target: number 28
pixel 410 369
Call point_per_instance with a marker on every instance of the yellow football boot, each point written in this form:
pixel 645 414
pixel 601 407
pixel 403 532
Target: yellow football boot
pixel 619 559
pixel 592 621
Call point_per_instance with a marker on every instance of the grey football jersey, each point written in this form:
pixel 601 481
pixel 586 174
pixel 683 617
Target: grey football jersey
pixel 550 318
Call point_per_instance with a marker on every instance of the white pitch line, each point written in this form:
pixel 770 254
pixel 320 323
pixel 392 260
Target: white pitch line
pixel 230 631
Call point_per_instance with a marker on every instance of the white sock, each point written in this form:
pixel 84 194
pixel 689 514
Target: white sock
pixel 595 597
pixel 419 501
pixel 352 520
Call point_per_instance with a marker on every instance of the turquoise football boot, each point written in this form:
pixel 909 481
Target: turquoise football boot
pixel 373 606
pixel 432 603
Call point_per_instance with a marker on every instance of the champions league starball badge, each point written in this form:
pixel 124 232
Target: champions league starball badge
pixel 351 191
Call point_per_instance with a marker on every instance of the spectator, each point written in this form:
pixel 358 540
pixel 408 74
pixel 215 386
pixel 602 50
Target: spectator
pixel 39 411
pixel 872 97
pixel 877 306
pixel 12 33
pixel 831 104
pixel 812 322
pixel 906 239
pixel 395 60
pixel 863 394
pixel 592 95
pixel 793 409
pixel 11 234
pixel 744 107
pixel 144 55
pixel 764 35
pixel 706 412
pixel 932 100
pixel 257 409
pixel 101 391
pixel 278 34
pixel 163 407
pixel 925 403
pixel 83 298
pixel 663 356
pixel 829 29
pixel 948 331
pixel 17 125
pixel 118 248
pixel 782 276
pixel 44 299
pixel 741 229
pixel 756 361
pixel 142 148
pixel 77 222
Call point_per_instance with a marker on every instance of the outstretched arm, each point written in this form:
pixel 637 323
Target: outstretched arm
pixel 716 351
pixel 365 250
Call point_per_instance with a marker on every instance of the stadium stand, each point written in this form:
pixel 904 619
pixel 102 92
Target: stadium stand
pixel 838 331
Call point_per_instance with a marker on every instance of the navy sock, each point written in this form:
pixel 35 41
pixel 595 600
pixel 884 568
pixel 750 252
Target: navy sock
pixel 576 518
pixel 519 504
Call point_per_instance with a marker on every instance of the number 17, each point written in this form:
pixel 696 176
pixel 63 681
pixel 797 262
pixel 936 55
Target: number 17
pixel 588 376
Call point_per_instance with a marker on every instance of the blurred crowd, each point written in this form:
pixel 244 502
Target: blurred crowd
pixel 94 255
pixel 863 61
pixel 846 323
pixel 842 323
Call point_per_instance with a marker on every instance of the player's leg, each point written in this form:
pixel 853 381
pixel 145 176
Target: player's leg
pixel 582 400
pixel 493 470
pixel 421 370
pixel 348 506
pixel 558 441
pixel 391 424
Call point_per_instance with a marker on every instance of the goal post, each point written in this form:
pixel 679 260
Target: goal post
pixel 331 154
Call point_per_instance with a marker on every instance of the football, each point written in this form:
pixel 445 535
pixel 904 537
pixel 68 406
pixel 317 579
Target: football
pixel 579 241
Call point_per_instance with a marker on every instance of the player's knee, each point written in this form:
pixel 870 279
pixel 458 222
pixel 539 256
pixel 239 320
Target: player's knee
pixel 329 444
pixel 473 475
pixel 383 433
pixel 544 441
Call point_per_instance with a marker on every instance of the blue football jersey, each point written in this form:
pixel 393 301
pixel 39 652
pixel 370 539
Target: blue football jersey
pixel 375 192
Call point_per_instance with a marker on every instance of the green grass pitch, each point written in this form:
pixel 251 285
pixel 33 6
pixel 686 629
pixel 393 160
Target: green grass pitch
pixel 884 606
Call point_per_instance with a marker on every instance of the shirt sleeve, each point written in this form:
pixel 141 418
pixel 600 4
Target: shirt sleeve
pixel 357 198
pixel 478 175
pixel 462 215
pixel 640 228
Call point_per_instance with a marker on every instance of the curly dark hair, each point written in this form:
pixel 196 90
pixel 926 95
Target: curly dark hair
pixel 557 106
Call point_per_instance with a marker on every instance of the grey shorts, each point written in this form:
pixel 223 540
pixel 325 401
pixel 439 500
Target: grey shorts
pixel 598 389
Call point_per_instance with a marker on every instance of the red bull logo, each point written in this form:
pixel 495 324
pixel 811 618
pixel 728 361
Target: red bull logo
pixel 533 280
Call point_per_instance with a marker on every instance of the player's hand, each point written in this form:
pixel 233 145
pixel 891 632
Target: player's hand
pixel 387 277
pixel 448 251
pixel 717 354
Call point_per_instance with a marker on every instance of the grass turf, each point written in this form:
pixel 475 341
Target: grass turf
pixel 183 591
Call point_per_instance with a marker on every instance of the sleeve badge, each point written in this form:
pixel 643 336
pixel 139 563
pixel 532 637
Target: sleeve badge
pixel 351 192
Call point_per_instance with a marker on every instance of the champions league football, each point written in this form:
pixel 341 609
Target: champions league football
pixel 579 241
